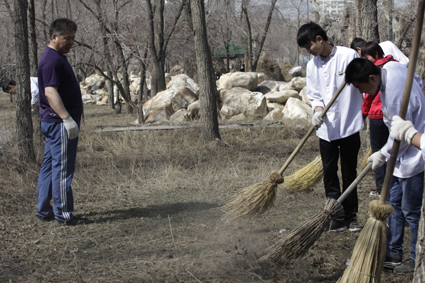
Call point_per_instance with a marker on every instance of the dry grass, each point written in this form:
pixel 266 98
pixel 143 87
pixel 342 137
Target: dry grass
pixel 154 199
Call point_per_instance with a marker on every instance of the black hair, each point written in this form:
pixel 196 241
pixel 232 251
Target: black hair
pixel 359 70
pixel 308 33
pixel 6 86
pixel 372 48
pixel 357 42
pixel 59 26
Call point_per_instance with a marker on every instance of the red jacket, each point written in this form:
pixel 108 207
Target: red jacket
pixel 372 103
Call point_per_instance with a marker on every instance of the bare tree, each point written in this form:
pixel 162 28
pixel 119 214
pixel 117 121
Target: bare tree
pixel 208 89
pixel 24 129
pixel 368 17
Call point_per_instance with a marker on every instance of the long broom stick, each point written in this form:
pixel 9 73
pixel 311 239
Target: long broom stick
pixel 369 252
pixel 257 198
pixel 298 242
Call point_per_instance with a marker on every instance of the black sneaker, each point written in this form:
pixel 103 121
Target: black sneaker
pixel 406 266
pixel 45 219
pixel 337 226
pixel 74 221
pixel 355 226
pixel 391 263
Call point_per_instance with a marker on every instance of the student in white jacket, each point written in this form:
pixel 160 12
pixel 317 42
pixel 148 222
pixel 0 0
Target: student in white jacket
pixel 407 183
pixel 339 129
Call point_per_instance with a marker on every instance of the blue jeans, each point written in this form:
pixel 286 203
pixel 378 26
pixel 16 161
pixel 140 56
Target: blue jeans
pixel 406 197
pixel 378 138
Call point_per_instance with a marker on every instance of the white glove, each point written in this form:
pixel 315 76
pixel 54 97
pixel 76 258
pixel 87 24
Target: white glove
pixel 317 120
pixel 377 159
pixel 402 130
pixel 71 127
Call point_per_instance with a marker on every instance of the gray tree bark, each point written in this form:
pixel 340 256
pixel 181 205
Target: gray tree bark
pixel 24 130
pixel 368 16
pixel 208 89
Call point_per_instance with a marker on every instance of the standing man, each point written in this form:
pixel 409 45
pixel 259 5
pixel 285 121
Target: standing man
pixel 61 108
pixel 339 129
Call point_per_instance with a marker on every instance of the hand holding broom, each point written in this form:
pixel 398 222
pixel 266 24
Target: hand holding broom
pixel 256 199
pixel 367 260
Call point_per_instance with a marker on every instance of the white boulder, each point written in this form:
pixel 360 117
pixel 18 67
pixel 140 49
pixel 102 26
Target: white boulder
pixel 296 109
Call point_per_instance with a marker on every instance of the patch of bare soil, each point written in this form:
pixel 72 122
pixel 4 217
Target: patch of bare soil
pixel 154 201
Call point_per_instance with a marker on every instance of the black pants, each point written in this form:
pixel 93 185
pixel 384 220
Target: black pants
pixel 378 138
pixel 348 149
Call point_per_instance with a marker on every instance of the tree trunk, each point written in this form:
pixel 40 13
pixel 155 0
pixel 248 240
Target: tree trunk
pixel 110 87
pixel 208 89
pixel 368 16
pixel 24 129
pixel 36 119
pixel 419 275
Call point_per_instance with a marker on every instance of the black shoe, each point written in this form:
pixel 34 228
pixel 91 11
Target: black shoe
pixel 337 226
pixel 49 218
pixel 74 221
pixel 391 263
pixel 354 225
pixel 406 266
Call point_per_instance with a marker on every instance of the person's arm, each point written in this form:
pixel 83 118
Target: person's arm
pixel 55 101
pixel 56 104
pixel 416 141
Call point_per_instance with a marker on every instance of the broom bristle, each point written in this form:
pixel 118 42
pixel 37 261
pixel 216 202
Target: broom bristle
pixel 306 177
pixel 369 251
pixel 365 157
pixel 252 200
pixel 297 242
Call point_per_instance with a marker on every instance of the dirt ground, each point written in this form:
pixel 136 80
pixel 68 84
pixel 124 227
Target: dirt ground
pixel 154 202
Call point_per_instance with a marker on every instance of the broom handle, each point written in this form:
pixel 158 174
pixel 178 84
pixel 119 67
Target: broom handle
pixel 302 142
pixel 405 101
pixel 355 183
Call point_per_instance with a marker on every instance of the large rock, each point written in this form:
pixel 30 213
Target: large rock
pixel 176 70
pixel 267 86
pixel 179 117
pixel 183 80
pixel 304 97
pixel 193 109
pixel 261 77
pixel 239 100
pixel 274 115
pixel 160 105
pixel 247 80
pixel 267 64
pixel 296 109
pixel 298 83
pixel 223 81
pixel 182 98
pixel 281 96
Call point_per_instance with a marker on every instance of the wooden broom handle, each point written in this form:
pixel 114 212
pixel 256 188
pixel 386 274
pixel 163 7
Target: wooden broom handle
pixel 405 101
pixel 302 142
pixel 355 183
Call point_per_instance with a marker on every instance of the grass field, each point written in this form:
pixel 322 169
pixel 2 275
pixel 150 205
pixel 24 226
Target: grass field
pixel 154 202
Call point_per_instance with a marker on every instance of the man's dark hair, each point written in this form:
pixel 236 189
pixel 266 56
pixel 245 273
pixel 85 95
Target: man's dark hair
pixel 59 26
pixel 357 42
pixel 308 33
pixel 6 86
pixel 372 48
pixel 359 71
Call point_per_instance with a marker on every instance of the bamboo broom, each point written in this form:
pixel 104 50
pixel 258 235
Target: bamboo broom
pixel 257 198
pixel 297 242
pixel 367 260
pixel 306 177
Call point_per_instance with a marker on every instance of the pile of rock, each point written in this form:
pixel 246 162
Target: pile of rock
pixel 242 96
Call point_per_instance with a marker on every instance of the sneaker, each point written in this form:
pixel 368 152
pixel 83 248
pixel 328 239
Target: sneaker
pixel 374 194
pixel 45 219
pixel 337 226
pixel 355 226
pixel 74 221
pixel 391 263
pixel 406 266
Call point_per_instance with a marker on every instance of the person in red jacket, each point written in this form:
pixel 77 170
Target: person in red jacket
pixel 372 107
